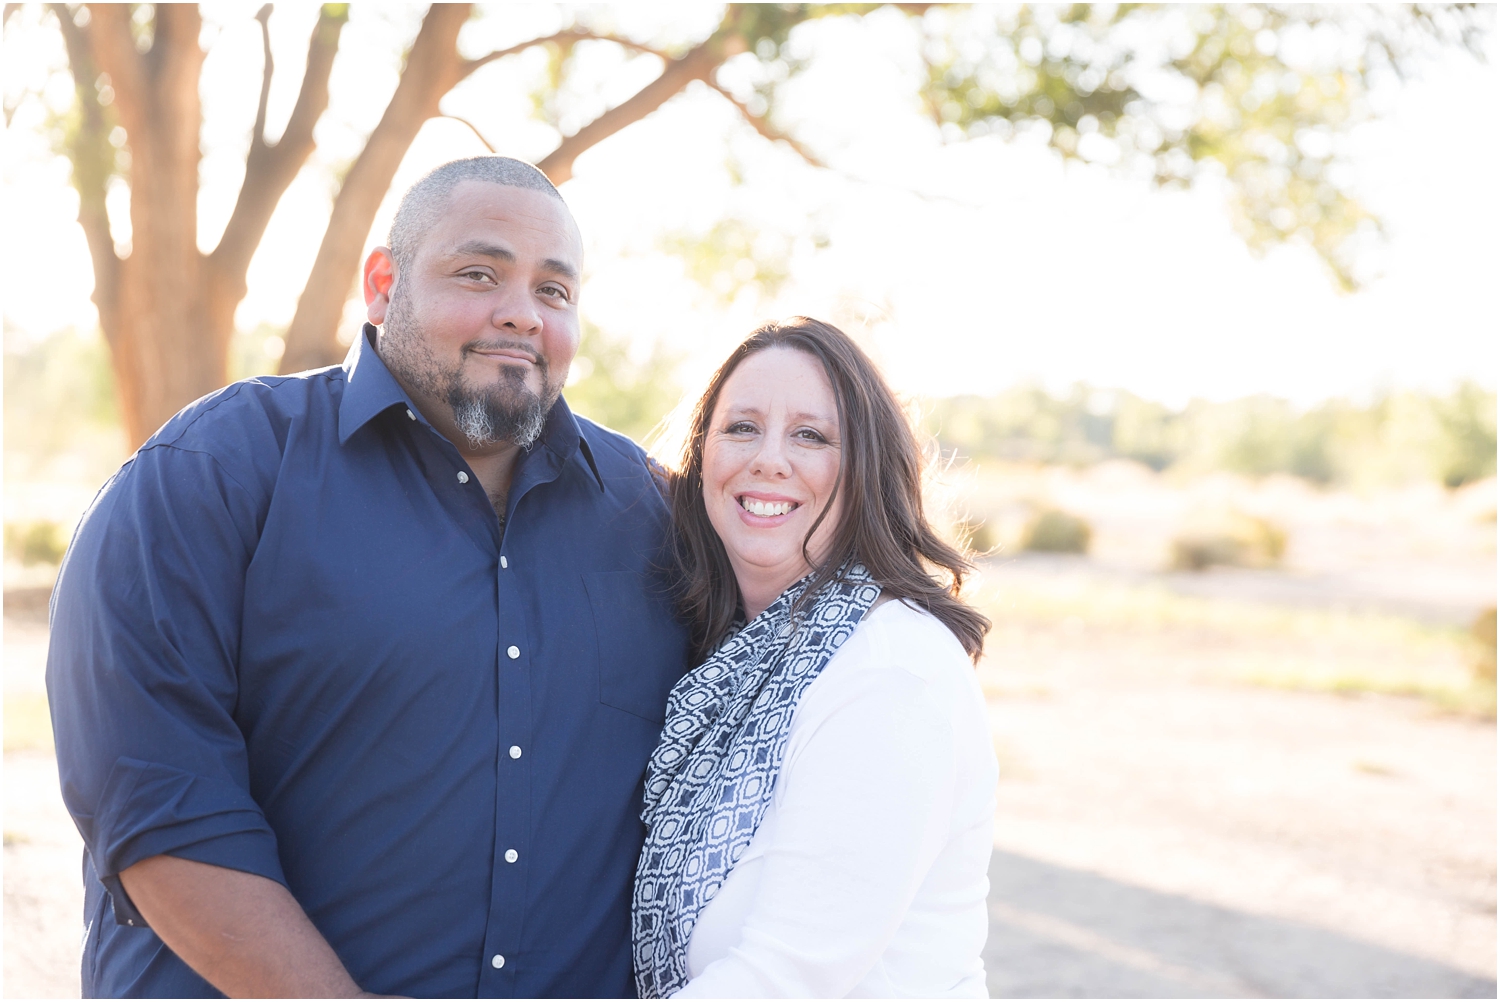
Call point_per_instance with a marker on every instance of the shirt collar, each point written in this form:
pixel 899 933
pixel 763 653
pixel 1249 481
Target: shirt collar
pixel 370 389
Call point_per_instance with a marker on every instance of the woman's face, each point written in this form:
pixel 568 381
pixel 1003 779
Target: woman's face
pixel 770 464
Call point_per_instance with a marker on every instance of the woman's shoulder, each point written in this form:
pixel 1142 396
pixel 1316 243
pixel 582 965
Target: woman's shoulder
pixel 897 652
pixel 914 640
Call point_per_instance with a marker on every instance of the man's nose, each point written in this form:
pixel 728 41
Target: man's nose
pixel 517 313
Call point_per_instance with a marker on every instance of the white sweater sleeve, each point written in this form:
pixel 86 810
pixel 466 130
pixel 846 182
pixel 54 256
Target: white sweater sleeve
pixel 864 802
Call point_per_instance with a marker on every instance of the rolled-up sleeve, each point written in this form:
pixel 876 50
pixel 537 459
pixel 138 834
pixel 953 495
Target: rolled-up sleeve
pixel 141 672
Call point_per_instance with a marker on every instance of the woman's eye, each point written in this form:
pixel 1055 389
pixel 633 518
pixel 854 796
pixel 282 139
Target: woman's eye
pixel 809 435
pixel 740 428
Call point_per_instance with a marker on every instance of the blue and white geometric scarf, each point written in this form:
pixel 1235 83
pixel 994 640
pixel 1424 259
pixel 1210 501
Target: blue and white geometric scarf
pixel 711 778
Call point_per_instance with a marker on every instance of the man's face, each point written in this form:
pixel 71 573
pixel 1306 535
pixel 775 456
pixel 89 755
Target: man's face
pixel 482 326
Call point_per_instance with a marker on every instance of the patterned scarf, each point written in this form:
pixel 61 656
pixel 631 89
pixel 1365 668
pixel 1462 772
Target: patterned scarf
pixel 710 780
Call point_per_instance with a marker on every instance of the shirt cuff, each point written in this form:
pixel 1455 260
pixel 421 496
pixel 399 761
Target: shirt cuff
pixel 149 809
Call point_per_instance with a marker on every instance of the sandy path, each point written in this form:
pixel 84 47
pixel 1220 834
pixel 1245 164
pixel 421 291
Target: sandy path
pixel 1160 838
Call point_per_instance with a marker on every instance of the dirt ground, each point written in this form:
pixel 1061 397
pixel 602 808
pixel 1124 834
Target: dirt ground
pixel 1166 837
pixel 1165 828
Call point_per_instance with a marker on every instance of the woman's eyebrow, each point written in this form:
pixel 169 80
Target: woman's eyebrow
pixel 750 410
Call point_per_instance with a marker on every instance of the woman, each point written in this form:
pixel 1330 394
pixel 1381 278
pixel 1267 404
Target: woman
pixel 819 810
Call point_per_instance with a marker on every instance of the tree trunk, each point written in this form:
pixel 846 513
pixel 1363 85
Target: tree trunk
pixel 155 316
pixel 166 309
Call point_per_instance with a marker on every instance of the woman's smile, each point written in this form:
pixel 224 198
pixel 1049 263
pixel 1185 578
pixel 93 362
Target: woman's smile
pixel 763 509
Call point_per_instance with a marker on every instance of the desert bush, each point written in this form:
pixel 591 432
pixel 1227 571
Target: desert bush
pixel 1053 530
pixel 1483 632
pixel 1231 539
pixel 976 535
pixel 33 543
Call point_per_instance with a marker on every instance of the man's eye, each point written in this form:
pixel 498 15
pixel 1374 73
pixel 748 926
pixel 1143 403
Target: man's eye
pixel 554 291
pixel 478 276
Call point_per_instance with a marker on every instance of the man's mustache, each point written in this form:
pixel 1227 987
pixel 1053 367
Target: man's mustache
pixel 500 345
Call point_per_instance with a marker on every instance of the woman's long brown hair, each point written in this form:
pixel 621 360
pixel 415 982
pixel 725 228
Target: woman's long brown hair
pixel 880 479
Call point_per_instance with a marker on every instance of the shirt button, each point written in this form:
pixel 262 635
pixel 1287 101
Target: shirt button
pixel 511 855
pixel 410 414
pixel 503 562
pixel 515 751
pixel 497 961
pixel 463 477
pixel 513 651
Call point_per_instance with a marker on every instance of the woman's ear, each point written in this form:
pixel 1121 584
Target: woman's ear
pixel 379 277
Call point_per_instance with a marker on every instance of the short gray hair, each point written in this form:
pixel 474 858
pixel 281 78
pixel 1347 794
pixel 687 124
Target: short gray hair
pixel 424 202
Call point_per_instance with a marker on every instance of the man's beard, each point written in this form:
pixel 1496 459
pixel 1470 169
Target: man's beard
pixel 506 410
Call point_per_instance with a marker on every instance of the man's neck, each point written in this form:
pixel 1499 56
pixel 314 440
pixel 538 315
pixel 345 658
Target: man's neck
pixel 494 465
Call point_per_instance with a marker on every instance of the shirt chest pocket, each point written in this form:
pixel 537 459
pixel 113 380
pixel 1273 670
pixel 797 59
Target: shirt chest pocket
pixel 641 644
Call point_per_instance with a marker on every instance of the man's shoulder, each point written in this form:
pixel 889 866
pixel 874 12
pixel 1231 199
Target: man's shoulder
pixel 251 412
pixel 618 456
pixel 611 449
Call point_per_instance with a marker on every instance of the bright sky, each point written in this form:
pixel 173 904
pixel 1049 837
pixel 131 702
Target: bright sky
pixel 966 267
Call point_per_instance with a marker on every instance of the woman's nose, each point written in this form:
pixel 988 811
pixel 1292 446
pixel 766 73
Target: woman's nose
pixel 771 458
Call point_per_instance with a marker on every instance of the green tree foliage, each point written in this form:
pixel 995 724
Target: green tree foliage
pixel 1398 438
pixel 733 257
pixel 630 395
pixel 60 399
pixel 1263 95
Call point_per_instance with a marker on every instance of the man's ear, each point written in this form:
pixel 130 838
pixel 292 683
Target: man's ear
pixel 380 275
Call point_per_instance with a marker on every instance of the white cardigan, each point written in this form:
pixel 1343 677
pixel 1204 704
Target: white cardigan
pixel 867 876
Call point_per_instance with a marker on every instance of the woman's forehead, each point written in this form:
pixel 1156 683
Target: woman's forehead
pixel 780 378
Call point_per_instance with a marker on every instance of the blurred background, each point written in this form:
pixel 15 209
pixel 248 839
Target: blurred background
pixel 1195 304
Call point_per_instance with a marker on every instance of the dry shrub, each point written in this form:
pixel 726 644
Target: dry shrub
pixel 977 536
pixel 1230 539
pixel 1483 632
pixel 1052 530
pixel 33 543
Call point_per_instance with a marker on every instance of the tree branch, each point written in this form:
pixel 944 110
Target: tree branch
pixel 270 170
pixel 432 69
pixel 697 64
pixel 472 128
pixel 112 47
pixel 567 37
pixel 765 128
pixel 258 135
pixel 11 106
pixel 93 159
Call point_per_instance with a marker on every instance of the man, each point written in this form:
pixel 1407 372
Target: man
pixel 355 673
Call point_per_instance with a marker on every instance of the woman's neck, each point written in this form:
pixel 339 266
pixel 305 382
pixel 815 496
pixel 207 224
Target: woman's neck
pixel 759 590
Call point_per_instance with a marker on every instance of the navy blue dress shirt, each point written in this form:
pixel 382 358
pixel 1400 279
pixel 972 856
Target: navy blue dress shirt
pixel 291 637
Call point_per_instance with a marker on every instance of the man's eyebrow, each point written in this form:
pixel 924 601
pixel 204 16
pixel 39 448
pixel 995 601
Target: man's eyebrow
pixel 483 249
pixel 562 268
